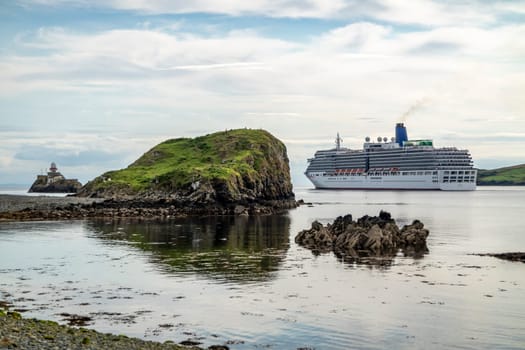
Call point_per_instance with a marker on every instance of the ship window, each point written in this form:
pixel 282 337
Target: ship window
pixel 412 173
pixel 435 172
pixel 420 173
pixel 428 172
pixel 453 172
pixel 446 172
pixel 404 173
pixel 445 180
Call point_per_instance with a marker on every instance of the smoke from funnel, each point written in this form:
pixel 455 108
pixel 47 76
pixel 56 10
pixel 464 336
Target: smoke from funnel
pixel 415 107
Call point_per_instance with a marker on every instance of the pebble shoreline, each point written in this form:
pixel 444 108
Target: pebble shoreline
pixel 23 208
pixel 31 334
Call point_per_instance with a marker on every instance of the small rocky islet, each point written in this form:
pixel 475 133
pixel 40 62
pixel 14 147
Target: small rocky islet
pixel 370 239
pixel 366 237
pixel 54 182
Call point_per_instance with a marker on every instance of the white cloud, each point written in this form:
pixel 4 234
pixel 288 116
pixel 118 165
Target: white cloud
pixel 362 61
pixel 356 37
pixel 436 13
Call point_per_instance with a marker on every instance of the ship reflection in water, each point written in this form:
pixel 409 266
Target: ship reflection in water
pixel 224 248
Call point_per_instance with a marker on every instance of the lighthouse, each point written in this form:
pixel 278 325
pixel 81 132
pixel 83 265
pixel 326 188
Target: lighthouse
pixel 54 175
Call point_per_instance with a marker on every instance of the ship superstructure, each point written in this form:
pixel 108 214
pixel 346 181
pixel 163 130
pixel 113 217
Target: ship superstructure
pixel 398 163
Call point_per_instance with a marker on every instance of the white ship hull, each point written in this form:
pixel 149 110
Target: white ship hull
pixel 436 180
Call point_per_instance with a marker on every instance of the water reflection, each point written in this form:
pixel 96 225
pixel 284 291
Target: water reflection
pixel 384 261
pixel 232 249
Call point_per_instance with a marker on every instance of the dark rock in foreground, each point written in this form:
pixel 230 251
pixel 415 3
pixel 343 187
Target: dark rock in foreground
pixel 514 256
pixel 369 236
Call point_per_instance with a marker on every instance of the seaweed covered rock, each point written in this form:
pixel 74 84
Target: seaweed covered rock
pixel 414 235
pixel 318 238
pixel 511 256
pixel 368 236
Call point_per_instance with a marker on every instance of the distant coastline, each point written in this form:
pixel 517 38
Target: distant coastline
pixel 506 176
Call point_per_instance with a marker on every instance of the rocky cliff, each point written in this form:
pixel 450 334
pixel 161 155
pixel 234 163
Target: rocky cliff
pixel 229 168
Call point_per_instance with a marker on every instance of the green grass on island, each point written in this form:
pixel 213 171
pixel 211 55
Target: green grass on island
pixel 508 176
pixel 176 163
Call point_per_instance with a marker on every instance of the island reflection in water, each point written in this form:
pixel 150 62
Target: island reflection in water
pixel 233 249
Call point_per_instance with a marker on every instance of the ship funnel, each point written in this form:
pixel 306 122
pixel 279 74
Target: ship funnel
pixel 401 134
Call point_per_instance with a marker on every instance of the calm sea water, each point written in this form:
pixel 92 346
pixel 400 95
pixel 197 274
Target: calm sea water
pixel 22 190
pixel 244 282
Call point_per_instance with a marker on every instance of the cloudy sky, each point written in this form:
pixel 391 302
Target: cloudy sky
pixel 94 84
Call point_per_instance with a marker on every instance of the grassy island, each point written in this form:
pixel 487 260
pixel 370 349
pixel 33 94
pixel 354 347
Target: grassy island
pixel 227 166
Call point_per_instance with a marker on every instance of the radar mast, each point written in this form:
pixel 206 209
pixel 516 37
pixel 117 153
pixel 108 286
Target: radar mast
pixel 338 141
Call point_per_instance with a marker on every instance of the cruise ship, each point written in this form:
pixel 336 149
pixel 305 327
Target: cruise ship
pixel 395 164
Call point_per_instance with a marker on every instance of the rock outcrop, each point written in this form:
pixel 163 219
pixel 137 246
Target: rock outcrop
pixel 55 182
pixel 369 236
pixel 60 186
pixel 513 256
pixel 237 171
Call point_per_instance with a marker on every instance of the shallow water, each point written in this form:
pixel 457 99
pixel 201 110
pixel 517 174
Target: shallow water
pixel 244 282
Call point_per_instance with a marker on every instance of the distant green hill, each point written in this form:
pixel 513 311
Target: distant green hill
pixel 242 165
pixel 508 176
